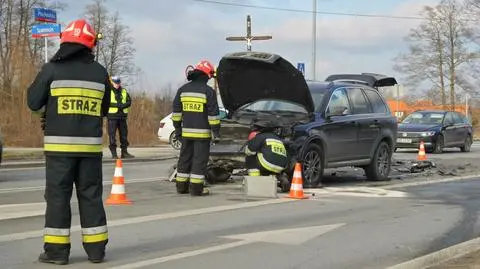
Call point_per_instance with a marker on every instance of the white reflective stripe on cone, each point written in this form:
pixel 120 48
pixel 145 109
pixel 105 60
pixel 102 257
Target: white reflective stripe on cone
pixel 296 187
pixel 118 172
pixel 118 189
pixel 297 174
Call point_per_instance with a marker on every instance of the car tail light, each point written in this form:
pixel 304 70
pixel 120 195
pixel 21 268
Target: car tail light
pixel 162 124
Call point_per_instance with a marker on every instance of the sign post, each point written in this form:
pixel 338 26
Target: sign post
pixel 48 28
pixel 301 68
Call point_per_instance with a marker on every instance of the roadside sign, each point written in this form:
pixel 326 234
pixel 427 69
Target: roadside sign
pixel 45 15
pixel 301 68
pixel 46 30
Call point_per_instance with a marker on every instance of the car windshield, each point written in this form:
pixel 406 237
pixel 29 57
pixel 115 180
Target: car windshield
pixel 424 118
pixel 274 105
pixel 317 97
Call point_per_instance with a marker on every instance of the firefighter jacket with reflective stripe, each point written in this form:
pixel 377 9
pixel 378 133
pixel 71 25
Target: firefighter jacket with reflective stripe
pixel 75 96
pixel 120 103
pixel 195 110
pixel 270 150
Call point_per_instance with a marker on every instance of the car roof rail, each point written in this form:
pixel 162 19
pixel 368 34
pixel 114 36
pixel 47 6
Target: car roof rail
pixel 368 79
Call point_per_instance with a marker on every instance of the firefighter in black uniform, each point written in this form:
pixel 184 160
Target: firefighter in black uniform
pixel 117 118
pixel 265 152
pixel 195 118
pixel 73 91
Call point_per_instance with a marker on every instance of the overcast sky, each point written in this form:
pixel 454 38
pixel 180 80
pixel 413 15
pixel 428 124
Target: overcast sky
pixel 170 34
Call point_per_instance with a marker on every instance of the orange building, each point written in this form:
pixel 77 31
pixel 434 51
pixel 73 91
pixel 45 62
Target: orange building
pixel 402 109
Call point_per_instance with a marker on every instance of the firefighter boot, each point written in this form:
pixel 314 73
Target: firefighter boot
pixel 198 189
pixel 182 187
pixel 126 155
pixel 45 258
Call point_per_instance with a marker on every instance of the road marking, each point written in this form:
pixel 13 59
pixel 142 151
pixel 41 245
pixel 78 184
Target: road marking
pixel 112 163
pixel 435 181
pixel 14 211
pixel 149 218
pixel 295 236
pixel 440 256
pixel 358 192
pixel 105 183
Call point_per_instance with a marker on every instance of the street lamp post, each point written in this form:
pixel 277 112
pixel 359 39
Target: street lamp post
pixel 249 38
pixel 314 39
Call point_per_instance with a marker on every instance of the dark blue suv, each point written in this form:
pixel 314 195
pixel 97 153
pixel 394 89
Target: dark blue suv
pixel 341 122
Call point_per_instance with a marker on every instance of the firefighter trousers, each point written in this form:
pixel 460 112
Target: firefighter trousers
pixel 86 173
pixel 254 167
pixel 121 126
pixel 192 166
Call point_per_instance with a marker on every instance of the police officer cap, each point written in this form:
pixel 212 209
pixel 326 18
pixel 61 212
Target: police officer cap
pixel 116 79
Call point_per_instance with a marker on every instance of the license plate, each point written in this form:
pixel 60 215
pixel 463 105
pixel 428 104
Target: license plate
pixel 404 140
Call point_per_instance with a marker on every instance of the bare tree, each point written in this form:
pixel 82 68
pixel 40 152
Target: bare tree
pixel 115 51
pixel 437 49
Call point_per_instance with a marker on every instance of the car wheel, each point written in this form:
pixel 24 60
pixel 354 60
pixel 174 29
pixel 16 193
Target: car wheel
pixel 467 145
pixel 175 143
pixel 379 167
pixel 312 168
pixel 438 147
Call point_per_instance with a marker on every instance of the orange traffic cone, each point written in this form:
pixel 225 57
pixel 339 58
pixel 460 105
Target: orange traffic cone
pixel 296 188
pixel 117 194
pixel 421 152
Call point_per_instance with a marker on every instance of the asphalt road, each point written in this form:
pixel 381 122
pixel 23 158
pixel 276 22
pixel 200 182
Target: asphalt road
pixel 337 228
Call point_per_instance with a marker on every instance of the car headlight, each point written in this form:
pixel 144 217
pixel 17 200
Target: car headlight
pixel 430 133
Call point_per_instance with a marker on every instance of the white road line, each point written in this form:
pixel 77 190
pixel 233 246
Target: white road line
pixel 15 211
pixel 433 181
pixel 143 219
pixel 182 255
pixel 440 256
pixel 38 188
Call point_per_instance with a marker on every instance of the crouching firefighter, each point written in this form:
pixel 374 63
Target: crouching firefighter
pixel 74 90
pixel 265 152
pixel 195 118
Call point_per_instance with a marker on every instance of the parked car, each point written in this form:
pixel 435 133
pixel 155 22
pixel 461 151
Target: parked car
pixel 166 130
pixel 438 129
pixel 325 124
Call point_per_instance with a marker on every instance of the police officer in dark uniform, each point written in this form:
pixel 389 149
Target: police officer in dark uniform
pixel 265 152
pixel 117 118
pixel 74 91
pixel 195 118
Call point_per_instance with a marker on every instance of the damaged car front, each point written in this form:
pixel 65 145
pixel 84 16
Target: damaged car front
pixel 257 87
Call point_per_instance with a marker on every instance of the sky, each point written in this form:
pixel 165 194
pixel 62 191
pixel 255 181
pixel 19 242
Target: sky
pixel 171 34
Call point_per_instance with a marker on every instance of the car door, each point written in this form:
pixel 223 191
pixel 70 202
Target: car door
pixel 449 130
pixel 340 127
pixel 367 126
pixel 461 128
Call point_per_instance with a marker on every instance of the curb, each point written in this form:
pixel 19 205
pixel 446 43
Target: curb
pixel 443 255
pixel 37 163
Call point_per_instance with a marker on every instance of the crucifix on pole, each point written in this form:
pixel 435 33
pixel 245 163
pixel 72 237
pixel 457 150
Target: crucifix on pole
pixel 249 38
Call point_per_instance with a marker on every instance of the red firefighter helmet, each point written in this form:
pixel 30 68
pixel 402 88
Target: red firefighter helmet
pixel 80 32
pixel 252 135
pixel 206 67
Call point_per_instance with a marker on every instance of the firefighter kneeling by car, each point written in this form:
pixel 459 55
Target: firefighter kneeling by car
pixel 265 152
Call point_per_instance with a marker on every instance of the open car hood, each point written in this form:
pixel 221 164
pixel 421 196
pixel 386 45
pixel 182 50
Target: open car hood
pixel 370 79
pixel 246 77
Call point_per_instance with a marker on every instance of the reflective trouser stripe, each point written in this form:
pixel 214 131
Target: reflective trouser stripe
pixel 269 166
pixel 95 234
pixel 196 133
pixel 182 177
pixel 73 148
pixel 253 172
pixel 197 179
pixel 56 236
